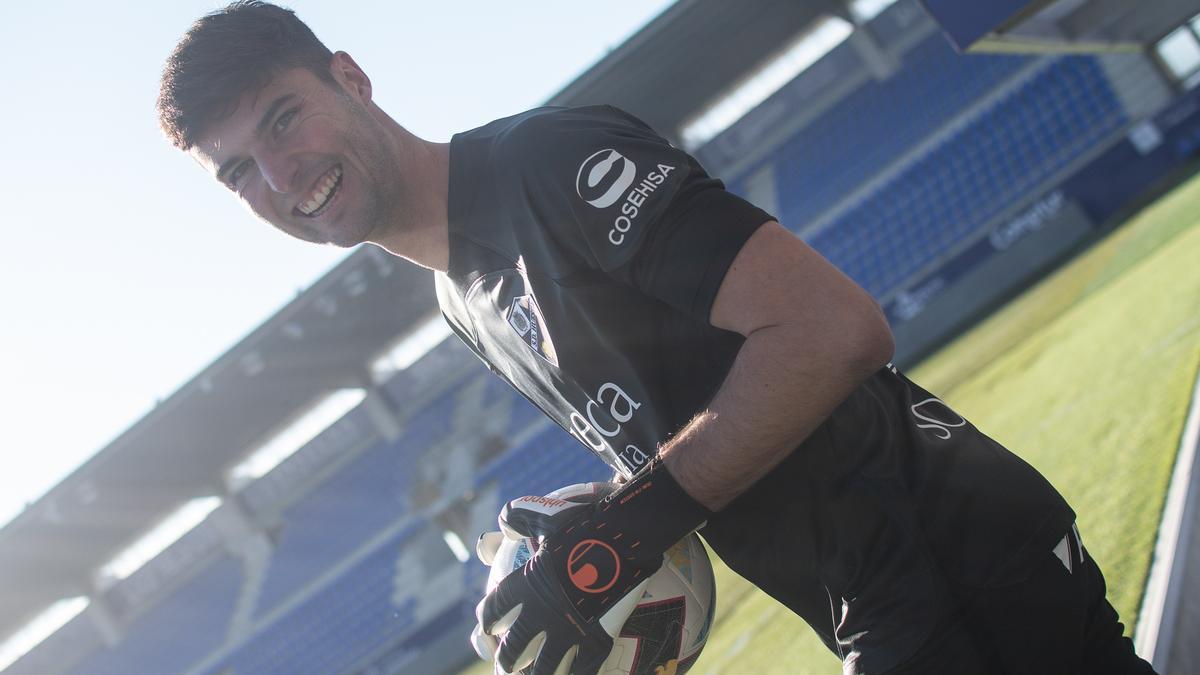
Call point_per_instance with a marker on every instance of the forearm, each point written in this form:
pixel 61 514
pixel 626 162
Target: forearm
pixel 774 397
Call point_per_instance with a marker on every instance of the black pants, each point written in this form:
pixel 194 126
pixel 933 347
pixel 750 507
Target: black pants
pixel 1056 621
pixel 913 545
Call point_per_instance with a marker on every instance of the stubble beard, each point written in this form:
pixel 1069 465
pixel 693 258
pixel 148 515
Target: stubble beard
pixel 380 182
pixel 381 203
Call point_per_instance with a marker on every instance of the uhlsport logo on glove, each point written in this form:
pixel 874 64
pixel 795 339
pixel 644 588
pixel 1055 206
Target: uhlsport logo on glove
pixel 659 628
pixel 593 566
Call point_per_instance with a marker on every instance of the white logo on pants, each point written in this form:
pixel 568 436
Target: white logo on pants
pixel 941 427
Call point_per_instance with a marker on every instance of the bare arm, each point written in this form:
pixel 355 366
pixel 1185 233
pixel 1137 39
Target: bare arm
pixel 812 336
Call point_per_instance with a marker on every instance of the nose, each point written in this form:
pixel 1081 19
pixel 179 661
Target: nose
pixel 278 170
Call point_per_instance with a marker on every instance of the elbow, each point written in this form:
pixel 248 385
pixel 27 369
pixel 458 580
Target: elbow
pixel 884 344
pixel 873 344
pixel 885 341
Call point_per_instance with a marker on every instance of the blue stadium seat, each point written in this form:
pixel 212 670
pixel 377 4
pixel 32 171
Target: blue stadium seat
pixel 946 196
pixel 328 632
pixel 359 501
pixel 546 462
pixel 522 414
pixel 180 631
pixel 877 124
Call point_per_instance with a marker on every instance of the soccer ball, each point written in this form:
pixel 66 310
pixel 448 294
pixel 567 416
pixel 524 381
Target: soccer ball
pixel 669 626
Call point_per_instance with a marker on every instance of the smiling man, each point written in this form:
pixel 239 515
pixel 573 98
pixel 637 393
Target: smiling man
pixel 733 377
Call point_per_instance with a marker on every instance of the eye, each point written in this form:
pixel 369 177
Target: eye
pixel 284 120
pixel 235 176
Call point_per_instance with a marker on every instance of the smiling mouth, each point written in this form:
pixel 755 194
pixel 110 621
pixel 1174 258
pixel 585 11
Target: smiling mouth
pixel 322 194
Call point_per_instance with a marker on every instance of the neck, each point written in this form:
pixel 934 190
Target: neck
pixel 420 233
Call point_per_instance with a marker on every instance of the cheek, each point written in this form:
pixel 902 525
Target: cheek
pixel 258 200
pixel 251 199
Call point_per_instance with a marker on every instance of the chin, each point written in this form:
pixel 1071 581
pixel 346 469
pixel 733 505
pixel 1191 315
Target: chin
pixel 341 240
pixel 349 239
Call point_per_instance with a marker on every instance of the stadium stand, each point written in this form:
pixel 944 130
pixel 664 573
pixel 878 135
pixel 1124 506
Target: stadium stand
pixel 178 632
pixel 344 511
pixel 548 460
pixel 331 526
pixel 902 174
pixel 333 624
pixel 952 192
pixel 289 479
pixel 878 124
pixel 289 639
pixel 181 559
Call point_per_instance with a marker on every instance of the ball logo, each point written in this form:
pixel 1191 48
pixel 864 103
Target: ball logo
pixel 604 177
pixel 593 566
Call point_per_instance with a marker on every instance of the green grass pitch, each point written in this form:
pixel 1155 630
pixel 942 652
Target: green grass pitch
pixel 1087 376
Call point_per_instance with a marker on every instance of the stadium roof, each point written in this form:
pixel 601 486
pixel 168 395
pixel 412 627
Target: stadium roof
pixel 1059 25
pixel 684 58
pixel 327 336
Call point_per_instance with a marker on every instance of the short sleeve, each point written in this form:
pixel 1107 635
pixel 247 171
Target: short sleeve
pixel 620 199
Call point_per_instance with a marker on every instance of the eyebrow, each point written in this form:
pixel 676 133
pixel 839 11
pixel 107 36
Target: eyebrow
pixel 263 123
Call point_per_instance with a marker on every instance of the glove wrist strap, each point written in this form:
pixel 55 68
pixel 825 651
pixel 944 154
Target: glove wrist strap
pixel 653 509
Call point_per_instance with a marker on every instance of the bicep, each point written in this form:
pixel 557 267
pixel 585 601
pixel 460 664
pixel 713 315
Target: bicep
pixel 778 281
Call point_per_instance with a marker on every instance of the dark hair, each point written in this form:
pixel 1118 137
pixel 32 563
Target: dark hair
pixel 225 55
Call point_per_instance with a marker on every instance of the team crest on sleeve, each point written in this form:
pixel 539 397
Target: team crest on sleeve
pixel 525 317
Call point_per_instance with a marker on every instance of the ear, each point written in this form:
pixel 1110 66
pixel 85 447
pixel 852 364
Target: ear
pixel 351 78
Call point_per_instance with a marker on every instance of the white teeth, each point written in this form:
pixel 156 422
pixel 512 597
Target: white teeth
pixel 321 193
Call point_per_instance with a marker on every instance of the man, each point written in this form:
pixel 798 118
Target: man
pixel 729 373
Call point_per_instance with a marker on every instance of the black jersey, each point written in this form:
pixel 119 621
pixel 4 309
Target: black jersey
pixel 579 278
pixel 585 256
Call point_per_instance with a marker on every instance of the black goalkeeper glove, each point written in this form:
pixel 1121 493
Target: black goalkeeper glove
pixel 561 610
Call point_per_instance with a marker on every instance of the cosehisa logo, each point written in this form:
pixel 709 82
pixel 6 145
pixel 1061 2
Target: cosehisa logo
pixel 604 177
pixel 593 566
pixel 607 175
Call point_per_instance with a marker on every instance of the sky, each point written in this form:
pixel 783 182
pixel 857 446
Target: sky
pixel 125 268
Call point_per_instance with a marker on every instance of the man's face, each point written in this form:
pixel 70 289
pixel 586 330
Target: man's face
pixel 307 157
